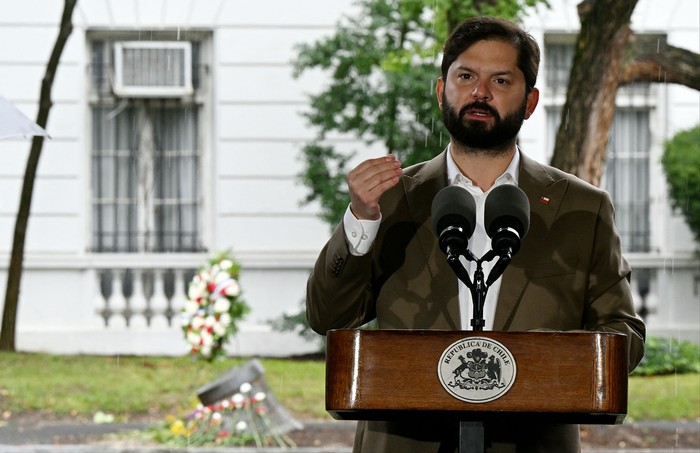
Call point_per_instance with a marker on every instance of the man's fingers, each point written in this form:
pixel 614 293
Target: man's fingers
pixel 374 172
pixel 368 181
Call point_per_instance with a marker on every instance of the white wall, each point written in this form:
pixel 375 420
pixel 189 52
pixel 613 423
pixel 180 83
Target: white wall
pixel 253 136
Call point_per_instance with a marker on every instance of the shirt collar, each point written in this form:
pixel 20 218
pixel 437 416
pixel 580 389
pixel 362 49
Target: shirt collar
pixel 510 176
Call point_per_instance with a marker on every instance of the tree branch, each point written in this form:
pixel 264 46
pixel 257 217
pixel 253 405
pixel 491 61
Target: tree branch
pixel 654 60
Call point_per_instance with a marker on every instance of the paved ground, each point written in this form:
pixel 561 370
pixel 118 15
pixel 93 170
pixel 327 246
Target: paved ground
pixel 319 437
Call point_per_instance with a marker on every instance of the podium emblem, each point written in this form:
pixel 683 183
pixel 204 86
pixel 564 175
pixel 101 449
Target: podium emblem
pixel 477 370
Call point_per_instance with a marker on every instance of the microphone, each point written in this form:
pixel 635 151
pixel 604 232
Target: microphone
pixel 507 219
pixel 454 218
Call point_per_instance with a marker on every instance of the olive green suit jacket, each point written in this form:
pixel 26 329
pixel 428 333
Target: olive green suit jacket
pixel 568 275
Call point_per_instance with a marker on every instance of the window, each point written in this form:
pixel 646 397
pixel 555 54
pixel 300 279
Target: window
pixel 146 165
pixel 626 174
pixel 558 59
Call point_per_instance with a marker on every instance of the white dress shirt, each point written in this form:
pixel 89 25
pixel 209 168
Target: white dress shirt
pixel 360 235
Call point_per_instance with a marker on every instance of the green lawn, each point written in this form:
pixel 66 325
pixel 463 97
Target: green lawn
pixel 673 397
pixel 79 386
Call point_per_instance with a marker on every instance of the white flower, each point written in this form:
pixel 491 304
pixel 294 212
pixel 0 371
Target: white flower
pixel 237 400
pixel 222 305
pixel 232 289
pixel 197 289
pixel 207 340
pixel 193 338
pixel 216 416
pixel 197 322
pixel 245 387
pixel 191 307
pixel 260 396
pixel 221 277
pixel 205 317
pixel 241 426
pixel 219 330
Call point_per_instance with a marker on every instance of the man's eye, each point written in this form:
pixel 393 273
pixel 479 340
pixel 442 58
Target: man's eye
pixel 501 81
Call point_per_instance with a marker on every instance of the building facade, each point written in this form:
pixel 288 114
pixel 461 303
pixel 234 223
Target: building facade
pixel 176 133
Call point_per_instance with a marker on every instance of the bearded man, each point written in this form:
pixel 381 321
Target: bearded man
pixel 383 261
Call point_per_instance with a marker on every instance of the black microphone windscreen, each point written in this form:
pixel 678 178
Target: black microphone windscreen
pixel 454 206
pixel 507 206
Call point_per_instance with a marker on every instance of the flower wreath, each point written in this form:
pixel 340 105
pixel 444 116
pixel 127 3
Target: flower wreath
pixel 213 307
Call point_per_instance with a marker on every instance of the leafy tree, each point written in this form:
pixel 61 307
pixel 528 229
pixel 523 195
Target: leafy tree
pixel 14 274
pixel 681 162
pixel 383 66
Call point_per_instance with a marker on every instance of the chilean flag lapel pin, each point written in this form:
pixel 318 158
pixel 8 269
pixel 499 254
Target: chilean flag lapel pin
pixel 544 200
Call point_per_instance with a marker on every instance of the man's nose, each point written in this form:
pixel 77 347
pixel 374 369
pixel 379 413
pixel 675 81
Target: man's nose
pixel 481 91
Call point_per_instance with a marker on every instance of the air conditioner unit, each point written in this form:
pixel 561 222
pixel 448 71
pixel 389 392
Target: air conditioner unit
pixel 152 68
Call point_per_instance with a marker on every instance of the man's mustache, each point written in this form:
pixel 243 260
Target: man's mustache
pixel 478 106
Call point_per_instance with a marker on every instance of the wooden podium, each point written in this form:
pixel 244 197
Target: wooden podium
pixel 563 377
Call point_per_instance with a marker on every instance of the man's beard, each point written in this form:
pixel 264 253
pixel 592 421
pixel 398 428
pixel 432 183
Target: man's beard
pixel 478 135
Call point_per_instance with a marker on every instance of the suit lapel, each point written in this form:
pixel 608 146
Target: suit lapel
pixel 420 189
pixel 545 193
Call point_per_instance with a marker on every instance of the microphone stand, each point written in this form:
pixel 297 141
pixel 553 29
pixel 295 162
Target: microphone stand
pixel 479 286
pixel 472 434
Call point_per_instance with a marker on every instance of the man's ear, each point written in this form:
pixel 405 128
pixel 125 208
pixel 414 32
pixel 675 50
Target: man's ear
pixel 439 90
pixel 532 99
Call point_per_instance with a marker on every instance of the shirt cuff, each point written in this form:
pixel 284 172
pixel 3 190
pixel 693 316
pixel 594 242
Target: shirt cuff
pixel 359 234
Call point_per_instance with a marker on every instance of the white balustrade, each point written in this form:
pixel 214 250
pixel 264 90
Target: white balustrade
pixel 137 302
pixel 157 295
pixel 159 303
pixel 99 302
pixel 179 294
pixel 116 304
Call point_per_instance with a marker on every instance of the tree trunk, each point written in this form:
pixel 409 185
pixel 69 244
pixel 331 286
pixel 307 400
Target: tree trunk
pixel 14 273
pixel 609 55
pixel 595 75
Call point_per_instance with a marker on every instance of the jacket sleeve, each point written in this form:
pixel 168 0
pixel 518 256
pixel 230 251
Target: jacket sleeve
pixel 339 290
pixel 610 306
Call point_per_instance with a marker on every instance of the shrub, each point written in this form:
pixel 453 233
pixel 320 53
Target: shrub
pixel 669 356
pixel 681 163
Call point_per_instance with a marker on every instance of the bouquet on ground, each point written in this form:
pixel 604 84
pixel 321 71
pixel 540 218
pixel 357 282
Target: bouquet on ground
pixel 241 419
pixel 214 306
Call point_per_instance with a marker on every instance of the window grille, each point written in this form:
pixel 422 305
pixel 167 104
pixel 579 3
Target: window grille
pixel 146 164
pixel 557 62
pixel 627 176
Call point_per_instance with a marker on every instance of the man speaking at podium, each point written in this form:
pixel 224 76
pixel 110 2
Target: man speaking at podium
pixel 383 261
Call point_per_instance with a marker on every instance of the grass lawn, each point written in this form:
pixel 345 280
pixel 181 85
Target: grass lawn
pixel 127 386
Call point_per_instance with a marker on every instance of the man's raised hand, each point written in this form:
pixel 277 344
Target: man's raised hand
pixel 368 181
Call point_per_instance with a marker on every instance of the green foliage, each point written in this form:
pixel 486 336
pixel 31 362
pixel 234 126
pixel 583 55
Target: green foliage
pixel 669 356
pixel 681 162
pixel 383 64
pixel 297 322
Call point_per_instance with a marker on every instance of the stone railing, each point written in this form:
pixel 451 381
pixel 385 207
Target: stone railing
pixel 141 292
